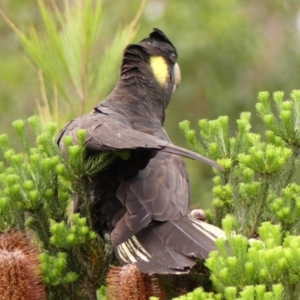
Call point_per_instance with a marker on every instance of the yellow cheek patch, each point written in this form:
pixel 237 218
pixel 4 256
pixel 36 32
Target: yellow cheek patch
pixel 160 70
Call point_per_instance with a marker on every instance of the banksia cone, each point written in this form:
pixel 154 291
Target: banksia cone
pixel 20 278
pixel 128 282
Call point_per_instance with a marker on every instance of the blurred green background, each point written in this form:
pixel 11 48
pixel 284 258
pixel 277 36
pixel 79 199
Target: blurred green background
pixel 229 50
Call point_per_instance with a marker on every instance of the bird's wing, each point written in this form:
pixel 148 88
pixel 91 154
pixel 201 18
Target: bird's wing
pixel 106 133
pixel 159 192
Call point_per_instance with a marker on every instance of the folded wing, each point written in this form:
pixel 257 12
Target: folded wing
pixel 105 133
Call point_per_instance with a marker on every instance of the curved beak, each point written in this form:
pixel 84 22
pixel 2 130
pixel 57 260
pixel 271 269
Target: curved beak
pixel 177 77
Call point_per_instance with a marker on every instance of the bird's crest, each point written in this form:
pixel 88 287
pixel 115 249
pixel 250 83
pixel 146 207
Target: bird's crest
pixel 159 35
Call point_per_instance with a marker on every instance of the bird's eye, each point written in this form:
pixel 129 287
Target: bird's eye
pixel 173 57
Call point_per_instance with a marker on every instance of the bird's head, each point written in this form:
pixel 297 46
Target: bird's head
pixel 160 57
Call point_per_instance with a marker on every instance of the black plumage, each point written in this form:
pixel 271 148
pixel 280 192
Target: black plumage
pixel 141 204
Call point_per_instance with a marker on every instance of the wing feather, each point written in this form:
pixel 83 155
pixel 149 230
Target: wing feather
pixel 105 133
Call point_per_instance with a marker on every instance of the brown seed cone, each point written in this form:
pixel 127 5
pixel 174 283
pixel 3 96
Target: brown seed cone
pixel 20 277
pixel 127 282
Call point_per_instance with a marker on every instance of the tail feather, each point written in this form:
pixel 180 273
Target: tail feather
pixel 190 237
pixel 171 247
pixel 133 252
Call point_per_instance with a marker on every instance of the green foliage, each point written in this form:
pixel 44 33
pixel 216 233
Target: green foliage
pixel 257 292
pixel 264 268
pixel 199 294
pixel 37 187
pixel 268 266
pixel 258 185
pixel 68 237
pixel 55 269
pixel 102 293
pixel 78 163
pixel 64 53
